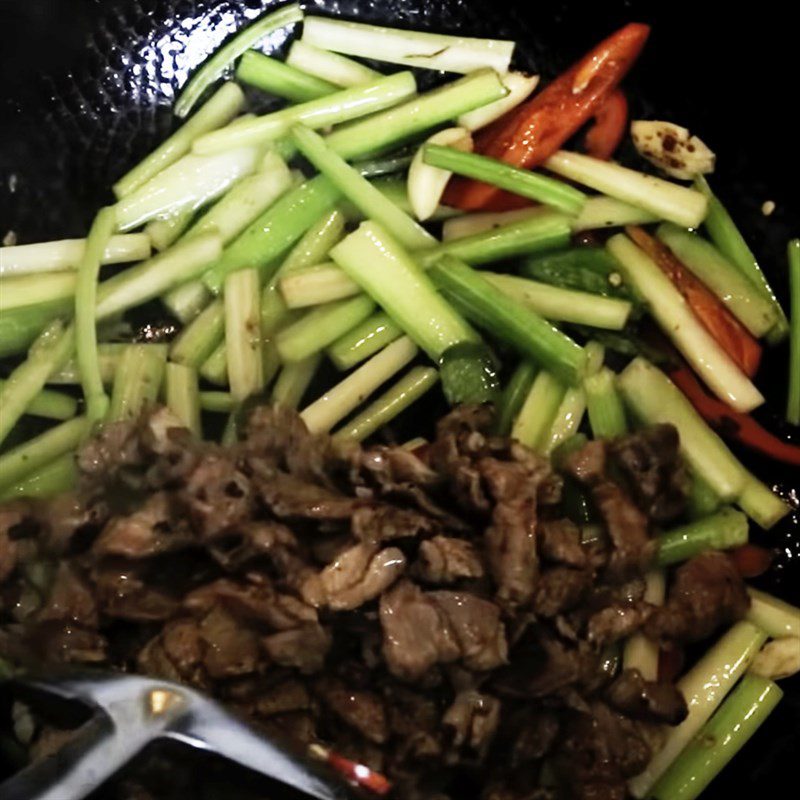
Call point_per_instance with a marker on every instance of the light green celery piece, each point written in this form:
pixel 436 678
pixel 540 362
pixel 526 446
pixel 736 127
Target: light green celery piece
pixel 137 383
pixel 729 241
pixel 522 182
pixel 215 368
pixel 408 48
pixel 403 123
pixel 183 396
pixel 66 254
pixel 321 327
pixel 53 478
pixel 360 191
pixel 215 66
pixel 314 246
pixel 774 616
pixel 187 185
pixel 564 305
pixel 19 328
pixel 720 739
pixel 153 278
pixel 29 457
pixel 640 652
pixel 702 499
pixel 604 404
pixel 393 188
pixel 293 381
pixel 509 320
pixel 187 301
pixel 704 688
pixel 653 398
pixel 538 411
pixel 333 67
pixel 723 530
pixel 108 356
pixel 243 344
pixel 385 408
pixel 608 212
pixel 761 503
pixel 342 106
pixel 793 397
pixel 674 316
pixel 281 79
pixel 219 110
pixel 738 294
pixel 24 290
pixel 666 200
pixel 548 231
pixel 325 412
pixel 165 232
pixel 313 286
pixel 363 341
pixel 217 402
pixel 198 340
pixel 513 397
pixel 85 325
pixel 384 270
pixel 271 235
pixel 50 404
pixel 48 353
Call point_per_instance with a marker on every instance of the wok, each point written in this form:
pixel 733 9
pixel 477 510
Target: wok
pixel 87 90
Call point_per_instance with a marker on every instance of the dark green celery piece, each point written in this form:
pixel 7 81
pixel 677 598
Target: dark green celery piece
pixel 468 371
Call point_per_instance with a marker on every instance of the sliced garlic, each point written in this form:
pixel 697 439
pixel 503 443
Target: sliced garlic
pixel 520 86
pixel 672 149
pixel 426 184
pixel 778 659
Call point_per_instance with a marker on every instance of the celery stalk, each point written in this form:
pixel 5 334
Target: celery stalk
pixel 363 341
pixel 280 79
pixel 243 344
pixel 293 381
pixel 332 67
pixel 183 396
pixel 137 382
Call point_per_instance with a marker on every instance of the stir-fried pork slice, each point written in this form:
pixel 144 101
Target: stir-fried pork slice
pixel 355 577
pixel 649 701
pixel 472 721
pixel 617 621
pixel 231 648
pixel 361 709
pixel 382 523
pixel 289 497
pixel 10 517
pixel 303 648
pixel 707 593
pixel 444 559
pixel 122 592
pixel 559 541
pixel 560 589
pixel 70 599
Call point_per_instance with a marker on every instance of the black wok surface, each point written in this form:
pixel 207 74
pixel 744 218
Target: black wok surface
pixel 87 87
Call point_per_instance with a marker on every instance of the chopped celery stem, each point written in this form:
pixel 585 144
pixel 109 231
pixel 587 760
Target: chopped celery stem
pixel 137 382
pixel 363 341
pixel 280 79
pixel 721 531
pixel 513 396
pixel 793 399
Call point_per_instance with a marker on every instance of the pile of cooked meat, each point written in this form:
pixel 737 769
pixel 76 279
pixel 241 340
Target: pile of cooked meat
pixel 434 614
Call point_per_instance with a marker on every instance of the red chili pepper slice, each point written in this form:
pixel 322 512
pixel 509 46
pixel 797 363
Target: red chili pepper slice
pixel 529 134
pixel 733 424
pixel 731 335
pixel 608 129
pixel 750 560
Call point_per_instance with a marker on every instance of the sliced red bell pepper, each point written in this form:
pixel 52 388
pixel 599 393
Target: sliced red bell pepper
pixel 608 129
pixel 731 335
pixel 750 560
pixel 741 427
pixel 529 134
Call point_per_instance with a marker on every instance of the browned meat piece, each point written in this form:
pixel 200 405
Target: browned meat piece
pixel 10 516
pixel 289 497
pixel 183 644
pixel 559 540
pixel 234 548
pixel 287 696
pixel 57 641
pixel 649 701
pixel 394 468
pixel 511 535
pixel 355 577
pixel 539 728
pixel 477 628
pixel 70 599
pixel 304 648
pixel 254 600
pixel 599 751
pixel 560 589
pixel 122 593
pixel 707 593
pixel 416 632
pixel 588 464
pixel 361 709
pixel 231 649
pixel 149 531
pixel 381 523
pixel 217 496
pixel 472 721
pixel 444 559
pixel 616 622
pixel 653 469
pixel 113 448
pixel 64 518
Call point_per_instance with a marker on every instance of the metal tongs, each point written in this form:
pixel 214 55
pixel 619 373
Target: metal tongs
pixel 130 712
